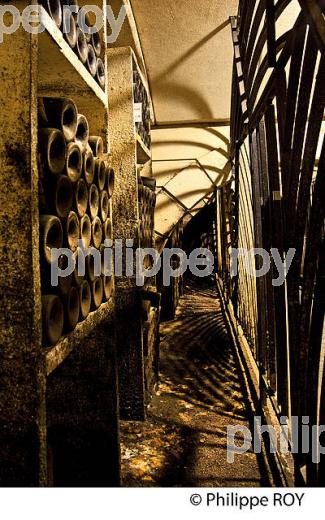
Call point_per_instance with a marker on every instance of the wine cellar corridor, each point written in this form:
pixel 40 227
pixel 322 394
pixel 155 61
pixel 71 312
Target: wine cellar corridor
pixel 162 254
pixel 183 441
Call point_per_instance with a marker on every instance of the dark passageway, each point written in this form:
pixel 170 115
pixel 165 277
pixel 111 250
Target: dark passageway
pixel 184 440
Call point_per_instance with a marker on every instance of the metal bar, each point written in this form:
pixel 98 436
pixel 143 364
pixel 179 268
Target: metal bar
pixel 315 18
pixel 267 230
pixel 239 69
pixel 309 157
pixel 271 37
pixel 277 242
pixel 252 37
pixel 262 326
pixel 314 241
pixel 191 124
pixel 270 88
pixel 180 203
pixel 263 68
pixel 303 91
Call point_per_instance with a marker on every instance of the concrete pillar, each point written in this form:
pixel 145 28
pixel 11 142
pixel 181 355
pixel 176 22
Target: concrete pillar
pixel 22 372
pixel 125 156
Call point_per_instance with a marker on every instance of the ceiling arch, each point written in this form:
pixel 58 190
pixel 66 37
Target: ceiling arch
pixel 188 53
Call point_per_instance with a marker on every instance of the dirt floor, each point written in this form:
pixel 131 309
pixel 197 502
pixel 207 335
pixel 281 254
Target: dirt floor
pixel 183 442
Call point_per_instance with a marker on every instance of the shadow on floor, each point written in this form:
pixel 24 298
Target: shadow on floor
pixel 184 440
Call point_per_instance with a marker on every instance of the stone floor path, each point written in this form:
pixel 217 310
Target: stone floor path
pixel 183 442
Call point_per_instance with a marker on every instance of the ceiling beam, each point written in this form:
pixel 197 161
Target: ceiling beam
pixel 191 124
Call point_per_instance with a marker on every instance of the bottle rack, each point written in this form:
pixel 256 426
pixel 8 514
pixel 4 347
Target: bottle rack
pixel 30 374
pixel 142 109
pixel 61 73
pixel 59 61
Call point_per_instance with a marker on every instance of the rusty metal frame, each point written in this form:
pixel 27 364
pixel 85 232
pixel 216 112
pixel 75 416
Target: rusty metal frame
pixel 283 123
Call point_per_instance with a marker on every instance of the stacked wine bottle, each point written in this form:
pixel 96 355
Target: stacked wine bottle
pixel 88 47
pixel 76 185
pixel 141 96
pixel 147 204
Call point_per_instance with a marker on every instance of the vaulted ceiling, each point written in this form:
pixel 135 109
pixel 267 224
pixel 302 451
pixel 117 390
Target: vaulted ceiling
pixel 188 53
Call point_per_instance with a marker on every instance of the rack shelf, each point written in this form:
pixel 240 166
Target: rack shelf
pixel 57 354
pixel 59 67
pixel 143 152
pixel 128 36
pixel 44 65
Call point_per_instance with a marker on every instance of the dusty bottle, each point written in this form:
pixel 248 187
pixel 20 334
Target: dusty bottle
pixel 61 113
pixel 52 318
